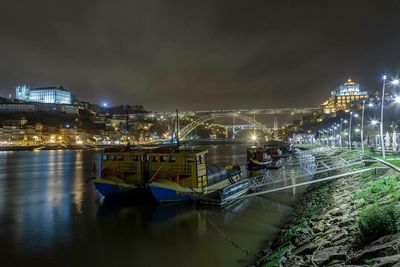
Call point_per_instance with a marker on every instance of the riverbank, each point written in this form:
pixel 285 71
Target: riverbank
pixel 354 221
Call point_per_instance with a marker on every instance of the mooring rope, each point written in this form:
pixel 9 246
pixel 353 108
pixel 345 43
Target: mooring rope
pixel 248 252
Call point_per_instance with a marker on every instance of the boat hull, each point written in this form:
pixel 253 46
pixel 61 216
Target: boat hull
pixel 111 190
pixel 254 165
pixel 217 194
pixel 168 192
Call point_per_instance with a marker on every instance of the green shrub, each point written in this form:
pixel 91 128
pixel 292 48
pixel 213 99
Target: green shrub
pixel 366 176
pixel 379 188
pixel 276 256
pixel 376 221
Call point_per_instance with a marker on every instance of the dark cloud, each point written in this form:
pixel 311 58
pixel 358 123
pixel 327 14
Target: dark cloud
pixel 198 54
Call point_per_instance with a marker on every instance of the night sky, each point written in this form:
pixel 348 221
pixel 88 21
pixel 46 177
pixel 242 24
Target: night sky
pixel 198 54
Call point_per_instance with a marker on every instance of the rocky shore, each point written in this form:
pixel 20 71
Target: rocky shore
pixel 354 221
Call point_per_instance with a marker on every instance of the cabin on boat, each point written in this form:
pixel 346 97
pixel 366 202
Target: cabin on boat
pixel 184 167
pixel 141 166
pixel 127 165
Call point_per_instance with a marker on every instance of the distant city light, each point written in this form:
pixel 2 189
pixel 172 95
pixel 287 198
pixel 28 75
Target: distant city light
pixel 357 130
pixel 105 104
pixel 370 105
pixel 356 115
pixel 253 137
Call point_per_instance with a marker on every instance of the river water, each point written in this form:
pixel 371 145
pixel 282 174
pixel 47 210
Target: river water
pixel 50 216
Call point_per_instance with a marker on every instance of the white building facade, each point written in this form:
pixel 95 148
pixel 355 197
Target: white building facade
pixel 50 95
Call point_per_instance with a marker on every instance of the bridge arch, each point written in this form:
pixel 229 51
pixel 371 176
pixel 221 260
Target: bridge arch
pixel 185 131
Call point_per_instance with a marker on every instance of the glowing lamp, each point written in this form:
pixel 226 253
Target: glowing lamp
pixel 395 82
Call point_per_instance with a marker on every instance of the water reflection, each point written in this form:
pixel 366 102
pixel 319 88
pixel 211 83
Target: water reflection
pixel 49 214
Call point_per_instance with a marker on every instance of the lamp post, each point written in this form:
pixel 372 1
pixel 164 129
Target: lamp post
pixel 351 112
pixel 381 123
pixel 334 135
pixel 340 132
pixel 394 82
pixel 362 126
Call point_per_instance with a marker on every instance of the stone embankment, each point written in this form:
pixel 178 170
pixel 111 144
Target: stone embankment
pixel 354 221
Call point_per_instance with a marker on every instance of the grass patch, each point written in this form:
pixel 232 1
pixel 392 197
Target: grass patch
pixel 395 162
pixel 366 176
pixel 273 260
pixel 377 189
pixel 376 221
pixel 314 207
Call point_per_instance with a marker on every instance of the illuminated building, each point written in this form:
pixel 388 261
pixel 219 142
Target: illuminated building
pixel 22 92
pixel 50 95
pixel 343 96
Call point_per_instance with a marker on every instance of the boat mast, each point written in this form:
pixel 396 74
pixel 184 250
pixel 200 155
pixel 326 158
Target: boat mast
pixel 177 129
pixel 127 129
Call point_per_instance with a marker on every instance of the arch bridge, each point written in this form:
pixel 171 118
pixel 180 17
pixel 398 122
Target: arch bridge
pixel 185 131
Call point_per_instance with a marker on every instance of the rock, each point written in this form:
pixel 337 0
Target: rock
pixel 331 253
pixel 319 226
pixel 295 262
pixel 382 247
pixel 358 203
pixel 336 212
pixel 342 241
pixel 336 263
pixel 332 230
pixel 305 241
pixel 386 239
pixel 339 236
pixel 321 257
pixel 307 248
pixel 386 261
pixel 353 214
pixel 347 221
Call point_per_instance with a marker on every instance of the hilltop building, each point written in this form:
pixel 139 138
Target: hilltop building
pixel 50 95
pixel 341 98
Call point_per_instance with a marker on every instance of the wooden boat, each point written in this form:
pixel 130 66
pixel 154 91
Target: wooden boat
pixel 123 173
pixel 257 158
pixel 184 175
pixel 167 174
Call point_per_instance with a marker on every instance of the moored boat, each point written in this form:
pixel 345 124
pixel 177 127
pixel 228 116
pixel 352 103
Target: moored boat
pixel 166 173
pixel 123 173
pixel 188 177
pixel 258 158
pixel 266 156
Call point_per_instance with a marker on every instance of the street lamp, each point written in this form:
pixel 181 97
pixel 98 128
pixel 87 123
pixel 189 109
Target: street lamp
pixel 334 136
pixel 340 132
pixel 254 138
pixel 351 115
pixel 362 126
pixel 394 82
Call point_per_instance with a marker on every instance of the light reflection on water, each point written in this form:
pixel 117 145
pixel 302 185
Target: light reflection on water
pixel 49 214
